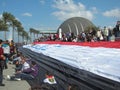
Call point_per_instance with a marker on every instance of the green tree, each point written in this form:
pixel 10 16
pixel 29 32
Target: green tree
pixel 19 30
pixel 34 31
pixel 3 27
pixel 25 36
pixel 7 20
pixel 31 31
pixel 14 26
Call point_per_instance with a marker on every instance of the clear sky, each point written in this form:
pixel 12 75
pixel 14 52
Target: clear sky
pixel 50 14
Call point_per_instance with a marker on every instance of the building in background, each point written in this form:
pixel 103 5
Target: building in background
pixel 75 25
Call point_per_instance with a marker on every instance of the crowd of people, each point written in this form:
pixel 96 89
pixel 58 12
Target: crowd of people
pixel 27 69
pixel 10 54
pixel 24 69
pixel 7 49
pixel 106 34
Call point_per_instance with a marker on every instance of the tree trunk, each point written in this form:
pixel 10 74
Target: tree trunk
pixel 18 36
pixel 34 36
pixel 5 35
pixel 13 33
pixel 31 37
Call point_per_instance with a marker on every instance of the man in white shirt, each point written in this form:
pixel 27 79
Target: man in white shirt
pixel 25 65
pixel 6 49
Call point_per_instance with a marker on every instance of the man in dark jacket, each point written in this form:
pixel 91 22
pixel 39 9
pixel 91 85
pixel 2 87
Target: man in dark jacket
pixel 2 58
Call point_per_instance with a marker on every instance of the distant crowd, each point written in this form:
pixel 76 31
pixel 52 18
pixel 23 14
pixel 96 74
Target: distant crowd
pixel 106 34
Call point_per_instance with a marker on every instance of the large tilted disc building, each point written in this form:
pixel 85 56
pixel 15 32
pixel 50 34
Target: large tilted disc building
pixel 75 25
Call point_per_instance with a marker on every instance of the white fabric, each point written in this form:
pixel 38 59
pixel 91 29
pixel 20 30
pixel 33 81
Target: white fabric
pixel 25 66
pixel 17 58
pixel 101 61
pixel 6 49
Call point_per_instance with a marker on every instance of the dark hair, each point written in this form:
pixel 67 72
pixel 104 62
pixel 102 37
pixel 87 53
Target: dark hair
pixel 1 41
pixel 33 62
pixel 12 41
pixel 19 54
pixel 49 73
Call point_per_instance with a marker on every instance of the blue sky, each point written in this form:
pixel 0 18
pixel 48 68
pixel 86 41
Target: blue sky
pixel 50 14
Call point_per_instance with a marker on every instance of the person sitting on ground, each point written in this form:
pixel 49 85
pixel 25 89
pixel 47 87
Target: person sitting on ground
pixel 17 61
pixel 22 64
pixel 17 57
pixel 26 74
pixel 50 79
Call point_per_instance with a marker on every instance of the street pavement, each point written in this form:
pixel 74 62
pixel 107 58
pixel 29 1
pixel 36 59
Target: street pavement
pixel 13 85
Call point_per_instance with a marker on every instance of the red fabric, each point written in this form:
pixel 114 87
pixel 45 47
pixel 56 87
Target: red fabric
pixel 49 76
pixel 106 44
pixel 1 53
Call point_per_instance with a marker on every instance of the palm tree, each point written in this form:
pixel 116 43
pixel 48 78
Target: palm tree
pixel 7 20
pixel 19 28
pixel 3 27
pixel 37 32
pixel 19 31
pixel 25 35
pixel 10 20
pixel 14 26
pixel 34 31
pixel 31 31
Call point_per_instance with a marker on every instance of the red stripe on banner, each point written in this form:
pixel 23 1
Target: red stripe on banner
pixel 106 44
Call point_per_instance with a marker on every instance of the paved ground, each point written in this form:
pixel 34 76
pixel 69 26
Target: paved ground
pixel 13 85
